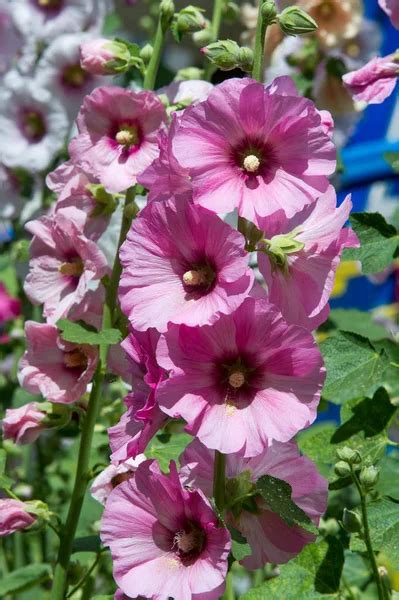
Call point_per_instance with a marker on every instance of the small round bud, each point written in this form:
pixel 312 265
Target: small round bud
pixel 223 54
pixel 329 527
pixel 245 59
pixel 189 73
pixel 146 53
pixel 203 37
pixel 167 10
pixel 351 521
pixel 350 456
pixel 368 477
pixel 188 20
pixel 294 21
pixel 104 57
pixel 269 12
pixel 342 469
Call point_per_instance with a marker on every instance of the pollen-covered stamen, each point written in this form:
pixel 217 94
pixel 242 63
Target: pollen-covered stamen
pixel 75 358
pixel 200 276
pixel 127 135
pixel 72 269
pixel 251 163
pixel 189 542
pixel 236 379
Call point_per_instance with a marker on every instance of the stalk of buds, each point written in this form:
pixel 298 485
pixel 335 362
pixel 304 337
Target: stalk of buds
pixel 228 55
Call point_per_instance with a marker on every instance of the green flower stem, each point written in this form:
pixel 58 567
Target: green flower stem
pixel 215 29
pixel 229 591
pixel 259 50
pixel 367 538
pixel 219 477
pixel 82 471
pixel 153 65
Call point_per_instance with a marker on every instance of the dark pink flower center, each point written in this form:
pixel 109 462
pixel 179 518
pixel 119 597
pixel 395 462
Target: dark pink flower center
pixel 73 268
pixel 236 379
pixel 49 6
pixel 189 542
pixel 199 277
pixel 73 76
pixel 253 158
pixel 128 135
pixel 32 125
pixel 75 359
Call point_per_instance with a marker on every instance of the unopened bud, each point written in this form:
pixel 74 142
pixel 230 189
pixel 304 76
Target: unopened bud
pixel 350 456
pixel 166 10
pixel 104 57
pixel 368 477
pixel 329 527
pixel 294 21
pixel 269 12
pixel 188 20
pixel 351 521
pixel 189 73
pixel 146 53
pixel 342 469
pixel 203 37
pixel 228 55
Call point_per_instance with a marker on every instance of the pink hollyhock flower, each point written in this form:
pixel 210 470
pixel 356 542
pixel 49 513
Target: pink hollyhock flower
pixel 270 538
pixel 391 7
pixel 58 370
pixel 165 178
pixel 374 82
pixel 63 262
pixel 299 257
pixel 246 381
pixel 117 137
pixel 256 148
pixel 67 179
pixel 140 349
pixel 181 538
pixel 181 264
pixel 23 425
pixel 14 516
pixel 10 308
pixel 112 476
pixel 137 426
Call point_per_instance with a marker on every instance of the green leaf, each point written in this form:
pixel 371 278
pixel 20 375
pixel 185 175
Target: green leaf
pixel 166 447
pixel 379 242
pixel 314 574
pixel 81 333
pixel 388 482
pixel 277 495
pixel 112 23
pixel 354 366
pixel 24 578
pixel 371 416
pixel 390 545
pixel 357 321
pixel 3 458
pixel 382 515
pixel 240 549
pixel 392 158
pixel 89 543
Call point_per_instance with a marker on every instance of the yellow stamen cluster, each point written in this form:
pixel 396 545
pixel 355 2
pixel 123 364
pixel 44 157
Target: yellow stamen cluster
pixel 127 135
pixel 236 379
pixel 72 269
pixel 251 163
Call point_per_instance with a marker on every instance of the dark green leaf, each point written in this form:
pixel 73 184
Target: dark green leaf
pixel 379 242
pixel 313 575
pixel 167 447
pixel 382 514
pixel 390 545
pixel 239 546
pixel 371 416
pixel 24 578
pixel 81 333
pixel 277 495
pixel 357 321
pixel 388 482
pixel 90 543
pixel 354 367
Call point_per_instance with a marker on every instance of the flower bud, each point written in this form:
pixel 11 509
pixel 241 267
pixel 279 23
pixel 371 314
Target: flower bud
pixel 368 477
pixel 188 20
pixel 350 456
pixel 23 425
pixel 146 53
pixel 342 469
pixel 166 10
pixel 104 57
pixel 329 527
pixel 294 21
pixel 228 55
pixel 189 73
pixel 269 12
pixel 14 516
pixel 203 37
pixel 351 521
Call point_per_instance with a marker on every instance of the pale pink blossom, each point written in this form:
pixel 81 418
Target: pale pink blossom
pixel 58 370
pixel 23 425
pixel 117 136
pixel 391 7
pixel 14 516
pixel 374 82
pixel 63 262
pixel 181 264
pixel 112 476
pixel 181 540
pixel 140 349
pixel 300 279
pixel 255 148
pixel 271 539
pixel 244 382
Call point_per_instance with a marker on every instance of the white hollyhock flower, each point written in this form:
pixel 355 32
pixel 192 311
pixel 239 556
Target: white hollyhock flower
pixel 33 124
pixel 10 39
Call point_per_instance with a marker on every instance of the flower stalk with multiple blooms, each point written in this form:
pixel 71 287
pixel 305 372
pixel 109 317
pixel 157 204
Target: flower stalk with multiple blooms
pixel 232 174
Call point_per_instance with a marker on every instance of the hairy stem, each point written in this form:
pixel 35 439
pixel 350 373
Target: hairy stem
pixel 259 50
pixel 219 476
pixel 153 65
pixel 367 538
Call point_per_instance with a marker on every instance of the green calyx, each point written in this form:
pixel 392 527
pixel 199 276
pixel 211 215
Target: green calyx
pixel 106 203
pixel 241 494
pixel 279 247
